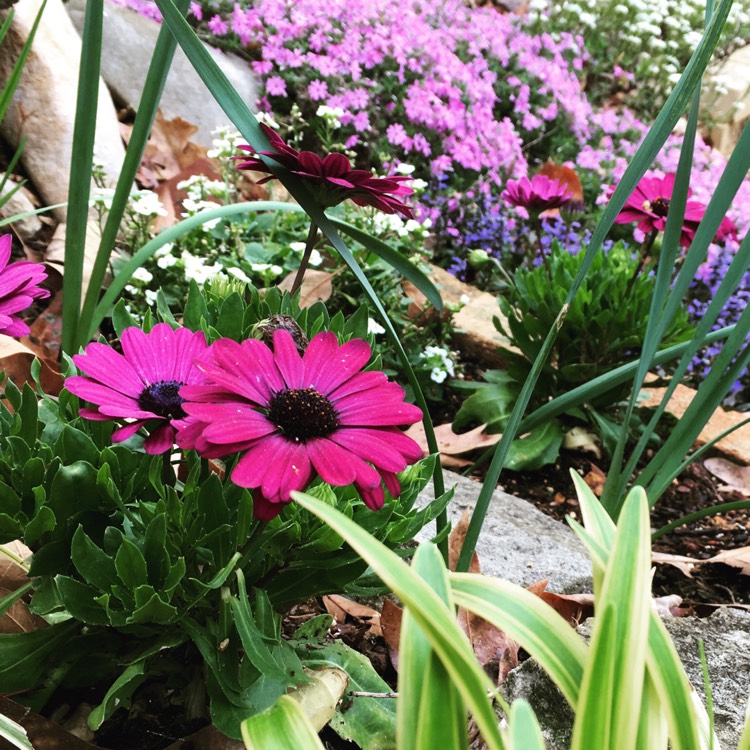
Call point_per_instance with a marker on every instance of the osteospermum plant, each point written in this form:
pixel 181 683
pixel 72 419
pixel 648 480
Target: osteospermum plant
pixel 155 496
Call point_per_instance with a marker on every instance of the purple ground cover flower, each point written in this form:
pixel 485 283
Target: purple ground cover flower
pixel 332 178
pixel 142 383
pixel 19 287
pixel 294 417
pixel 540 193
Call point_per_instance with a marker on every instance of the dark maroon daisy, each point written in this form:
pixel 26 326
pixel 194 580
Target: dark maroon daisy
pixel 295 417
pixel 143 383
pixel 19 287
pixel 332 178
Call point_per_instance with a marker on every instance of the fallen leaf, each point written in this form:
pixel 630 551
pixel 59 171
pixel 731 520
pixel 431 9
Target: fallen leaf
pixel 564 175
pixel 320 697
pixel 340 608
pixel 18 618
pixel 390 623
pixel 595 479
pixel 669 606
pixel 456 542
pixel 171 196
pixel 737 477
pixel 682 563
pixel 317 286
pixel 737 558
pixel 580 439
pixel 575 608
pixel 451 444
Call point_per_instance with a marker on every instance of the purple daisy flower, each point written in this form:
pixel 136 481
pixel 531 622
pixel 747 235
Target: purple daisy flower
pixel 19 287
pixel 540 193
pixel 297 417
pixel 142 383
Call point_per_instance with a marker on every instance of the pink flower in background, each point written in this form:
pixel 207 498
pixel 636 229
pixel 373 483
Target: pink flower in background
pixel 196 10
pixel 218 26
pixel 142 383
pixel 332 178
pixel 19 287
pixel 297 417
pixel 648 205
pixel 317 90
pixel 540 193
pixel 275 86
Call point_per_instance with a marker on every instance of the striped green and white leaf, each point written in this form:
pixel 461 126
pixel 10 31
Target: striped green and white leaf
pixel 283 726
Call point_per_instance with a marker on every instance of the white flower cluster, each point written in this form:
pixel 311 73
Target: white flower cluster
pixel 225 142
pixel 146 203
pixel 384 223
pixel 332 115
pixel 198 270
pixel 441 362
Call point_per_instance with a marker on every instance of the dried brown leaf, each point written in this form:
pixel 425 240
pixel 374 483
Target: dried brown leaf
pixel 390 623
pixel 339 607
pixel 736 476
pixel 451 444
pixel 456 542
pixel 317 286
pixel 575 608
pixel 595 479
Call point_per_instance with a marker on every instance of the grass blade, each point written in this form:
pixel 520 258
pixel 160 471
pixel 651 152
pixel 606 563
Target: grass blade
pixel 283 726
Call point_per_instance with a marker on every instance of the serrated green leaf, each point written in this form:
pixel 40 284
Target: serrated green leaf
pixel 118 695
pixel 130 565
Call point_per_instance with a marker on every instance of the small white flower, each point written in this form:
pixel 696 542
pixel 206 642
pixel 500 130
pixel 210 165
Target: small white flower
pixel 298 247
pixel 438 375
pixel 404 168
pixel 315 258
pixel 151 296
pixel 147 203
pixel 464 299
pixel 267 119
pixel 374 327
pixel 276 270
pixel 418 185
pixel 166 261
pixel 141 274
pixel 238 273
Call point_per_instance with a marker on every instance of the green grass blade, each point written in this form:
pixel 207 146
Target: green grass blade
pixel 612 687
pixel 6 23
pixel 239 113
pixel 647 151
pixel 745 738
pixel 14 734
pixel 436 620
pixel 529 621
pixel 653 729
pixel 153 87
pixel 283 726
pixel 15 75
pixel 429 707
pixel 84 131
pixel 524 732
pixel 663 663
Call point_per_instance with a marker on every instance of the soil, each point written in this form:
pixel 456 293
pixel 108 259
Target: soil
pixel 551 490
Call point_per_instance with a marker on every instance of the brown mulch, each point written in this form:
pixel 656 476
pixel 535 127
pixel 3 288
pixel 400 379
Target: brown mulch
pixel 551 490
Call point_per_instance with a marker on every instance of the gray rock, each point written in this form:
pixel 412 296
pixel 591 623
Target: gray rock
pixel 17 204
pixel 43 107
pixel 726 636
pixel 129 40
pixel 518 542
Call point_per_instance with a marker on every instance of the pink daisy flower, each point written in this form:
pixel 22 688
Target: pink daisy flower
pixel 142 383
pixel 297 417
pixel 19 287
pixel 649 204
pixel 332 178
pixel 540 193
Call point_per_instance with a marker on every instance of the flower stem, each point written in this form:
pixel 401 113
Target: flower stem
pixel 312 235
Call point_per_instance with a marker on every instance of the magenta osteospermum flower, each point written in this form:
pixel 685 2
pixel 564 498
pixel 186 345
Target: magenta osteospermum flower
pixel 332 178
pixel 142 383
pixel 649 204
pixel 19 287
pixel 294 417
pixel 540 193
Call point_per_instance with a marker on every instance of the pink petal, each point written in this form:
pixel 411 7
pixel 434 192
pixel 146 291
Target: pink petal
pixel 288 360
pixel 239 429
pixel 104 364
pixel 369 448
pixel 345 362
pixel 160 440
pixel 128 430
pixel 335 465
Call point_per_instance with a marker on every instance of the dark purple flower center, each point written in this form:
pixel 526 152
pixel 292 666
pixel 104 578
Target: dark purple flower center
pixel 303 414
pixel 163 398
pixel 660 206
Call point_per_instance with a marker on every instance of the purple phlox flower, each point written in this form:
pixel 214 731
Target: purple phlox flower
pixel 540 193
pixel 332 178
pixel 19 287
pixel 142 383
pixel 295 417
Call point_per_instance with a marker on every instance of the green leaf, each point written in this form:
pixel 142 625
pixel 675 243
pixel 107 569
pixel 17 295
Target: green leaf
pixel 151 608
pixel 130 565
pixel 283 726
pixel 95 566
pixel 491 403
pixel 25 657
pixel 80 601
pixel 368 722
pixel 14 733
pixel 524 733
pixel 436 620
pixel 539 448
pixel 118 695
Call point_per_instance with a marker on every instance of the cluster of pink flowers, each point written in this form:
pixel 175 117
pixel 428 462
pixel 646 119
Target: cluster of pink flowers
pixel 292 416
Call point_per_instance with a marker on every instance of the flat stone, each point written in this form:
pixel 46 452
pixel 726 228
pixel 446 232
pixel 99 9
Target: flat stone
pixel 130 38
pixel 731 108
pixel 43 106
pixel 726 637
pixel 475 333
pixel 519 543
pixel 735 445
pixel 19 203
